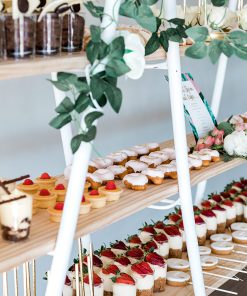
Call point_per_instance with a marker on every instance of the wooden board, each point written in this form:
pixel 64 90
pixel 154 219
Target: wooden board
pixel 43 232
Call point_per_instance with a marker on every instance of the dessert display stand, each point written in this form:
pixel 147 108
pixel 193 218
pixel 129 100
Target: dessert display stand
pixel 43 241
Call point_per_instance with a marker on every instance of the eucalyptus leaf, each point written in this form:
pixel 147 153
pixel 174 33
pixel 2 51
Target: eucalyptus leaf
pixel 150 2
pixel 116 68
pixel 96 11
pixel 145 18
pixel 97 86
pixel 91 117
pixel 76 142
pixel 214 50
pixel 197 51
pixel 128 8
pixel 173 35
pixel 177 21
pixel 218 2
pixel 103 51
pixel 60 85
pixel 226 127
pixel 241 52
pixel 197 33
pixel 82 102
pixel 66 106
pixel 60 121
pixel 238 37
pixel 117 48
pixel 114 97
pixel 95 33
pixel 164 40
pixel 90 135
pixel 92 51
pixel 152 45
pixel 226 48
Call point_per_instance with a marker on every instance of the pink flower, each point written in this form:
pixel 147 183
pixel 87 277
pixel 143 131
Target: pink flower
pixel 209 141
pixel 199 146
pixel 219 140
pixel 217 132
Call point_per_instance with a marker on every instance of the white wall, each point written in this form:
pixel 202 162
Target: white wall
pixel 29 145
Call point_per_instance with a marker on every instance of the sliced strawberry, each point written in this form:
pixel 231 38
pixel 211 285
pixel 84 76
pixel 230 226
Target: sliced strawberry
pixel 94 192
pixel 181 225
pixel 110 185
pixel 45 176
pixel 96 261
pixel 134 239
pixel 232 192
pixel 225 194
pixel 28 182
pixel 238 185
pixel 83 199
pixel 148 228
pixel 218 208
pixel 199 220
pixel 172 230
pixel 159 225
pixel 124 279
pixel 238 199
pixel 206 204
pixel 136 253
pixel 216 197
pixel 59 206
pixel 151 245
pixel 96 279
pixel 155 259
pixel 142 268
pixel 123 260
pixel 244 193
pixel 227 202
pixel 244 182
pixel 60 187
pixel 174 217
pixel 44 192
pixel 160 238
pixel 119 245
pixel 67 281
pixel 108 253
pixel 111 269
pixel 208 213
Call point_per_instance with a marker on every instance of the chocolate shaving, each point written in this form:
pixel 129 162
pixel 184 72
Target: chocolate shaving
pixel 4 188
pixel 62 8
pixel 23 6
pixel 13 199
pixel 42 3
pixel 15 180
pixel 76 8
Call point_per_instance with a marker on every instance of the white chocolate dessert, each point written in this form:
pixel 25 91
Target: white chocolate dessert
pixel 104 175
pixel 177 278
pixel 204 250
pixel 123 289
pixel 178 264
pixel 209 262
pixel 151 161
pixel 222 248
pixel 130 153
pixel 162 155
pixel 118 158
pixel 140 149
pixel 16 215
pixel 154 175
pixel 221 237
pixel 239 237
pixel 239 226
pixel 135 181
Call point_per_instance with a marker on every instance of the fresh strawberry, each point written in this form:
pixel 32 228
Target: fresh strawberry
pixel 181 225
pixel 199 220
pixel 227 202
pixel 178 211
pixel 96 279
pixel 28 182
pixel 110 185
pixel 45 176
pixel 151 245
pixel 225 194
pixel 159 225
pixel 142 268
pixel 148 228
pixel 208 213
pixel 206 204
pixel 160 238
pixel 238 186
pixel 218 208
pixel 124 278
pixel 174 217
pixel 155 259
pixel 136 253
pixel 119 245
pixel 83 199
pixel 108 253
pixel 238 199
pixel 111 269
pixel 60 187
pixel 232 192
pixel 172 230
pixel 244 193
pixel 94 192
pixel 123 260
pixel 134 239
pixel 67 281
pixel 59 206
pixel 44 192
pixel 244 182
pixel 195 208
pixel 96 261
pixel 216 197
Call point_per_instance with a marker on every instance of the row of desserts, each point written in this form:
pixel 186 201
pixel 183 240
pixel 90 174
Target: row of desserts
pixel 143 164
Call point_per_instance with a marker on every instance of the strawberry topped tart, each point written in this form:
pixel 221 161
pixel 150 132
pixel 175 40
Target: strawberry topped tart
pixel 210 219
pixel 119 248
pixel 98 287
pixel 45 199
pixel 97 199
pixel 85 206
pixel 175 241
pixel 143 275
pixel 106 274
pixel 123 285
pixel 46 181
pixel 123 263
pixel 28 187
pixel 60 191
pixel 146 233
pixel 111 191
pixel 56 212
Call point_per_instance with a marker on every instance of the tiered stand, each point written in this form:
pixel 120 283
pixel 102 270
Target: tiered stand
pixel 47 237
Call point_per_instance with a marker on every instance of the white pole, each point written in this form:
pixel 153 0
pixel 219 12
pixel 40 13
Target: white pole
pixel 76 183
pixel 216 99
pixel 180 141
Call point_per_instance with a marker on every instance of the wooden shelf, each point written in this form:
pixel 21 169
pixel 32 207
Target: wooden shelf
pixel 43 232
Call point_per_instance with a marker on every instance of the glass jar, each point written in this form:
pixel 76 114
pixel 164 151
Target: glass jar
pixel 72 32
pixel 19 36
pixel 48 34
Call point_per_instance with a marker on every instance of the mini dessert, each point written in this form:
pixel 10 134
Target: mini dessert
pixel 206 158
pixel 225 195
pixel 161 241
pixel 153 147
pixel 155 176
pixel 87 185
pixel 239 226
pixel 98 288
pixel 45 199
pixel 107 256
pixel 143 275
pixel 97 263
pixel 243 195
pixel 221 237
pixel 169 170
pixel 46 181
pixel 136 181
pixel 28 187
pixel 94 180
pixel 157 263
pixel 133 241
pixel 195 162
pixel 239 206
pixel 206 204
pixel 230 211
pixel 119 248
pixel 215 199
pixel 175 241
pixel 173 218
pixel 239 237
pixel 201 230
pixel 140 150
pixel 204 251
pixel 97 199
pixel 56 212
pixel 104 175
pixel 67 288
pixel 220 217
pixel 151 161
pixel 85 206
pixel 209 262
pixel 106 275
pixel 135 255
pixel 10 187
pixel 60 192
pixel 178 264
pixel 215 156
pixel 232 193
pixel 171 152
pixel 35 207
pixel 118 158
pixel 136 166
pixel 159 227
pixel 162 155
pixel 238 186
pixel 123 263
pixel 111 191
pixel 146 233
pixel 132 155
pixel 150 246
pixel 222 248
pixel 177 278
pixel 99 163
pixel 123 285
pixel 119 171
pixel 209 217
pixel 181 229
pixel 15 215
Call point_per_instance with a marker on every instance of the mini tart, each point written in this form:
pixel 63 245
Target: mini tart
pixel 136 181
pixel 162 155
pixel 47 182
pixel 119 171
pixel 215 156
pixel 132 155
pixel 177 278
pixel 155 176
pixel 152 147
pixel 97 200
pixel 118 158
pixel 221 237
pixel 104 175
pixel 178 264
pixel 169 170
pixel 85 207
pixel 45 201
pixel 56 212
pixel 31 188
pixel 135 166
pixel 239 237
pixel 151 161
pixel 60 193
pixel 94 181
pixel 239 226
pixel 209 262
pixel 35 207
pixel 112 193
pixel 140 150
pixel 204 250
pixel 222 248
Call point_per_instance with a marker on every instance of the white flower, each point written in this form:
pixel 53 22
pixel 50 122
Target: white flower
pixel 236 119
pixel 191 15
pixel 134 56
pixel 243 18
pixel 236 143
pixel 155 10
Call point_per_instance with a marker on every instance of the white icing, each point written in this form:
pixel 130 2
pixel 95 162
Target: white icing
pixel 117 169
pixel 136 179
pixel 240 235
pixel 239 208
pixel 129 152
pixel 124 290
pixel 230 212
pixel 153 173
pixel 95 178
pixel 160 154
pixel 118 156
pixel 201 230
pixel 209 261
pixel 98 290
pixel 220 216
pixel 222 246
pixel 177 276
pixel 170 152
pixel 210 221
pixel 204 250
pixel 140 149
pixel 132 245
pixel 195 162
pixel 202 156
pixel 118 252
pixel 179 264
pixel 152 145
pixel 221 237
pixel 136 165
pixel 212 153
pixel 101 163
pixel 239 226
pixel 159 272
pixel 104 174
pixel 123 268
pixel 143 283
pixel 167 168
pixel 151 160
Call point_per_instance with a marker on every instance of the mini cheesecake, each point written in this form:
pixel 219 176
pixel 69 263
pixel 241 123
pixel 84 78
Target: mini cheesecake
pixel 46 181
pixel 123 285
pixel 209 217
pixel 220 217
pixel 85 206
pixel 175 241
pixel 206 205
pixel 215 199
pixel 96 199
pixel 107 256
pixel 106 275
pixel 98 287
pixel 67 288
pixel 159 267
pixel 56 212
pixel 149 246
pixel 178 264
pixel 97 263
pixel 161 241
pixel 136 254
pixel 238 203
pixel 123 263
pixel 28 187
pixel 159 227
pixel 243 195
pixel 45 199
pixel 111 191
pixel 225 194
pixel 173 218
pixel 133 241
pixel 181 229
pixel 146 233
pixel 228 205
pixel 119 248
pixel 143 275
pixel 60 191
pixel 201 230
